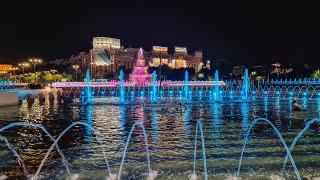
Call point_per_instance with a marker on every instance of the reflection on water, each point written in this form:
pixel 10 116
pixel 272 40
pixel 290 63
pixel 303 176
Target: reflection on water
pixel 318 105
pixel 170 131
pixel 245 123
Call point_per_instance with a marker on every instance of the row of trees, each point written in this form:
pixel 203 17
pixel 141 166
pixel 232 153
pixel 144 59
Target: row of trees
pixel 42 78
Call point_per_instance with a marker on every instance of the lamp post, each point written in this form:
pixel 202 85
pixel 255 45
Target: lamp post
pixel 23 65
pixel 35 62
pixel 14 69
pixel 53 71
pixel 76 67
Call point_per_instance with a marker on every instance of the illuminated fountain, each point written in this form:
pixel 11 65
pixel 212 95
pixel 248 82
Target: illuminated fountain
pixel 140 75
pixel 186 85
pixel 245 86
pixel 216 94
pixel 154 87
pixel 122 93
pixel 88 88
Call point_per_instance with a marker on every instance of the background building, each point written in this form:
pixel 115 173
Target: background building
pixel 179 59
pixel 5 68
pixel 107 57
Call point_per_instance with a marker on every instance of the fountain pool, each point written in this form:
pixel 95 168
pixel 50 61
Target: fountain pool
pixel 169 127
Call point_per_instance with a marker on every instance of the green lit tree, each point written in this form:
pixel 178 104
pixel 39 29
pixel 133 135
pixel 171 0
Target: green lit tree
pixel 316 74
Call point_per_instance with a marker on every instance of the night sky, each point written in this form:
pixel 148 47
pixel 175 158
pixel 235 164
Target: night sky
pixel 258 32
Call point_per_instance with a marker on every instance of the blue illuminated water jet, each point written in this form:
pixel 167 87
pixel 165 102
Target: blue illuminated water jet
pixel 266 121
pixel 88 88
pixel 122 93
pixel 199 126
pixel 245 85
pixel 154 87
pixel 216 94
pixel 186 85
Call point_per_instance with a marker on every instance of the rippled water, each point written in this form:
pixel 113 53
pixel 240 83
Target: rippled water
pixel 170 132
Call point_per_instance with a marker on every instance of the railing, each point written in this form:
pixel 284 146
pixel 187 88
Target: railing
pixel 129 84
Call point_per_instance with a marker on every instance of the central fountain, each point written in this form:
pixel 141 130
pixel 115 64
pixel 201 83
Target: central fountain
pixel 140 75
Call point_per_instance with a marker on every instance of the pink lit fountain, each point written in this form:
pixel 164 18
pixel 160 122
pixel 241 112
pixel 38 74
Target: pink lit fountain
pixel 140 75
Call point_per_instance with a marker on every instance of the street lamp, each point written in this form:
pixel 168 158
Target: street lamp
pixel 35 62
pixel 53 71
pixel 14 69
pixel 76 67
pixel 23 65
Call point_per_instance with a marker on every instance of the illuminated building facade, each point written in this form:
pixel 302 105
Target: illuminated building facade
pixel 179 59
pixel 107 57
pixel 5 68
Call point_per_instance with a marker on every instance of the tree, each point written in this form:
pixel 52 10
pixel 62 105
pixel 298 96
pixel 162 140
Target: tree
pixel 48 78
pixel 316 74
pixel 35 77
pixel 58 77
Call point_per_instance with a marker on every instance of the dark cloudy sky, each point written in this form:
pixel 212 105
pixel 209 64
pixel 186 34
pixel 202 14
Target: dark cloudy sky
pixel 244 32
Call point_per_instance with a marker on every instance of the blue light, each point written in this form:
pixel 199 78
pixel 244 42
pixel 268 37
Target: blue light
pixel 161 92
pixel 180 92
pixel 170 92
pixel 304 93
pixel 253 92
pixel 290 93
pixel 102 92
pixel 82 92
pixel 231 92
pixel 278 92
pixel 265 92
pixel 131 92
pixel 112 92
